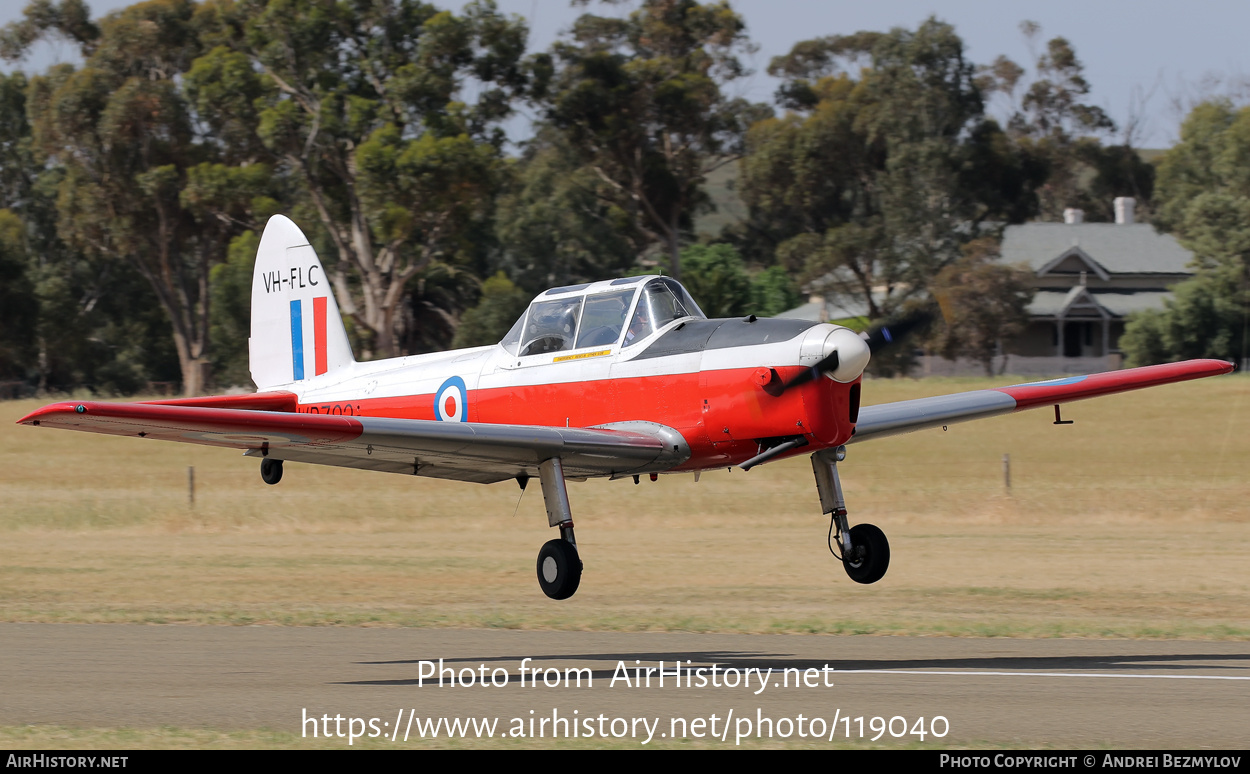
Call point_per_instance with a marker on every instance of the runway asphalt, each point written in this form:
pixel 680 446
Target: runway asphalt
pixel 1052 692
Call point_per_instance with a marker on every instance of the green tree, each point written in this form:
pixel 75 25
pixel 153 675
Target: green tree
pixel 809 181
pixel 717 280
pixel 18 307
pixel 555 223
pixel 1203 197
pixel 640 100
pixel 773 292
pixel 983 301
pixel 1207 317
pixel 93 322
pixel 230 288
pixel 502 304
pixel 363 106
pixel 124 136
pixel 926 104
pixel 1056 133
pixel 70 19
pixel 442 294
pixel 883 167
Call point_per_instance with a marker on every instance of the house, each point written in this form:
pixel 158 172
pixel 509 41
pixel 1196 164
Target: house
pixel 1089 278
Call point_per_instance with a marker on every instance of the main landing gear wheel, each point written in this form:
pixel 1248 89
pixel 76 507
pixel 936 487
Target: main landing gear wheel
pixel 559 569
pixel 869 557
pixel 271 471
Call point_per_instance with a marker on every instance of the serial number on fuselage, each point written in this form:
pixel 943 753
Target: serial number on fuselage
pixel 334 409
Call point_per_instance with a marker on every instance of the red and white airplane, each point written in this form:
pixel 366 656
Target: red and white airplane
pixel 618 379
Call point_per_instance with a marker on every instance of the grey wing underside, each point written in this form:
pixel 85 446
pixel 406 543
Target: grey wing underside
pixel 909 415
pixel 464 451
pixel 485 453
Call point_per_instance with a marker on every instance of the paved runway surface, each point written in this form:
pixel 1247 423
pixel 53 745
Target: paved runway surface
pixel 1071 693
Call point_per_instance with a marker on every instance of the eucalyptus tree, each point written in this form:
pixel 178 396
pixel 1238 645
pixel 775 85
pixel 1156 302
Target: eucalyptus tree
pixel 385 118
pixel 984 303
pixel 883 166
pixel 558 223
pixel 121 135
pixel 640 99
pixel 1203 197
pixel 1057 132
pixel 54 332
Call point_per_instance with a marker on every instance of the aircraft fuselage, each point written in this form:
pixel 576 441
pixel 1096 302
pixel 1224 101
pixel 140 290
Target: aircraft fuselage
pixel 716 382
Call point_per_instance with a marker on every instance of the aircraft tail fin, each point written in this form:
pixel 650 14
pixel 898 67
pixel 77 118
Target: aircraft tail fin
pixel 297 332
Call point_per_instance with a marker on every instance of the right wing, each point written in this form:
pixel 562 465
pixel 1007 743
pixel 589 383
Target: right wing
pixel 482 453
pixel 908 415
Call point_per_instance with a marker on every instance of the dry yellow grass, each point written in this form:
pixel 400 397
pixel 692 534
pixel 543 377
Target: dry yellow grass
pixel 1132 522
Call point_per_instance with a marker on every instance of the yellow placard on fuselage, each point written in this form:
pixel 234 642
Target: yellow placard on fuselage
pixel 600 353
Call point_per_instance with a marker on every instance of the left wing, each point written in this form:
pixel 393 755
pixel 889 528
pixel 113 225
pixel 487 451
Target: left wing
pixel 908 415
pixel 482 453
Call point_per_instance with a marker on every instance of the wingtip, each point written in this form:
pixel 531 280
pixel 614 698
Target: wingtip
pixel 52 408
pixel 1218 367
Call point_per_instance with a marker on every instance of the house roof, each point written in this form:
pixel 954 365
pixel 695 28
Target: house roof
pixel 1050 303
pixel 1115 248
pixel 834 307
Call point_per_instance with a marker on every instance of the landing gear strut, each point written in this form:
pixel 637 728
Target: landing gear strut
pixel 559 566
pixel 865 551
pixel 271 471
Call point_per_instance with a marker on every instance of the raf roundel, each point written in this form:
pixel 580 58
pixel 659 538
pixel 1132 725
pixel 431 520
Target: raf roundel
pixel 450 401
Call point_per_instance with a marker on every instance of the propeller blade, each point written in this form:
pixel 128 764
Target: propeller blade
pixel 892 331
pixel 825 364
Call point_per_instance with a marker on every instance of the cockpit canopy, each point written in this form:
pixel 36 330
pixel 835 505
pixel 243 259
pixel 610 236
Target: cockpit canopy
pixel 599 314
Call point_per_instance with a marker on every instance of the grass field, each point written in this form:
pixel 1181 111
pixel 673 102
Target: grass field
pixel 1133 522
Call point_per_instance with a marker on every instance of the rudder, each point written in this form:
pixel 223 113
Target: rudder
pixel 297 332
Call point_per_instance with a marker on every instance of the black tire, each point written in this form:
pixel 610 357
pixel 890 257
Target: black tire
pixel 559 569
pixel 870 554
pixel 270 471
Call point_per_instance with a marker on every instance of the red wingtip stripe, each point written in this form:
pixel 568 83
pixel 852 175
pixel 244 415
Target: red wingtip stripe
pixel 213 426
pixel 50 409
pixel 1111 382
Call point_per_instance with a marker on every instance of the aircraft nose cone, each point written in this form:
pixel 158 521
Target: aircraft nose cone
pixel 852 352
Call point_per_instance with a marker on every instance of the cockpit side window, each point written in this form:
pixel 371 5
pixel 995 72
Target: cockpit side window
pixel 662 301
pixel 669 301
pixel 551 326
pixel 639 323
pixel 603 318
pixel 688 303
